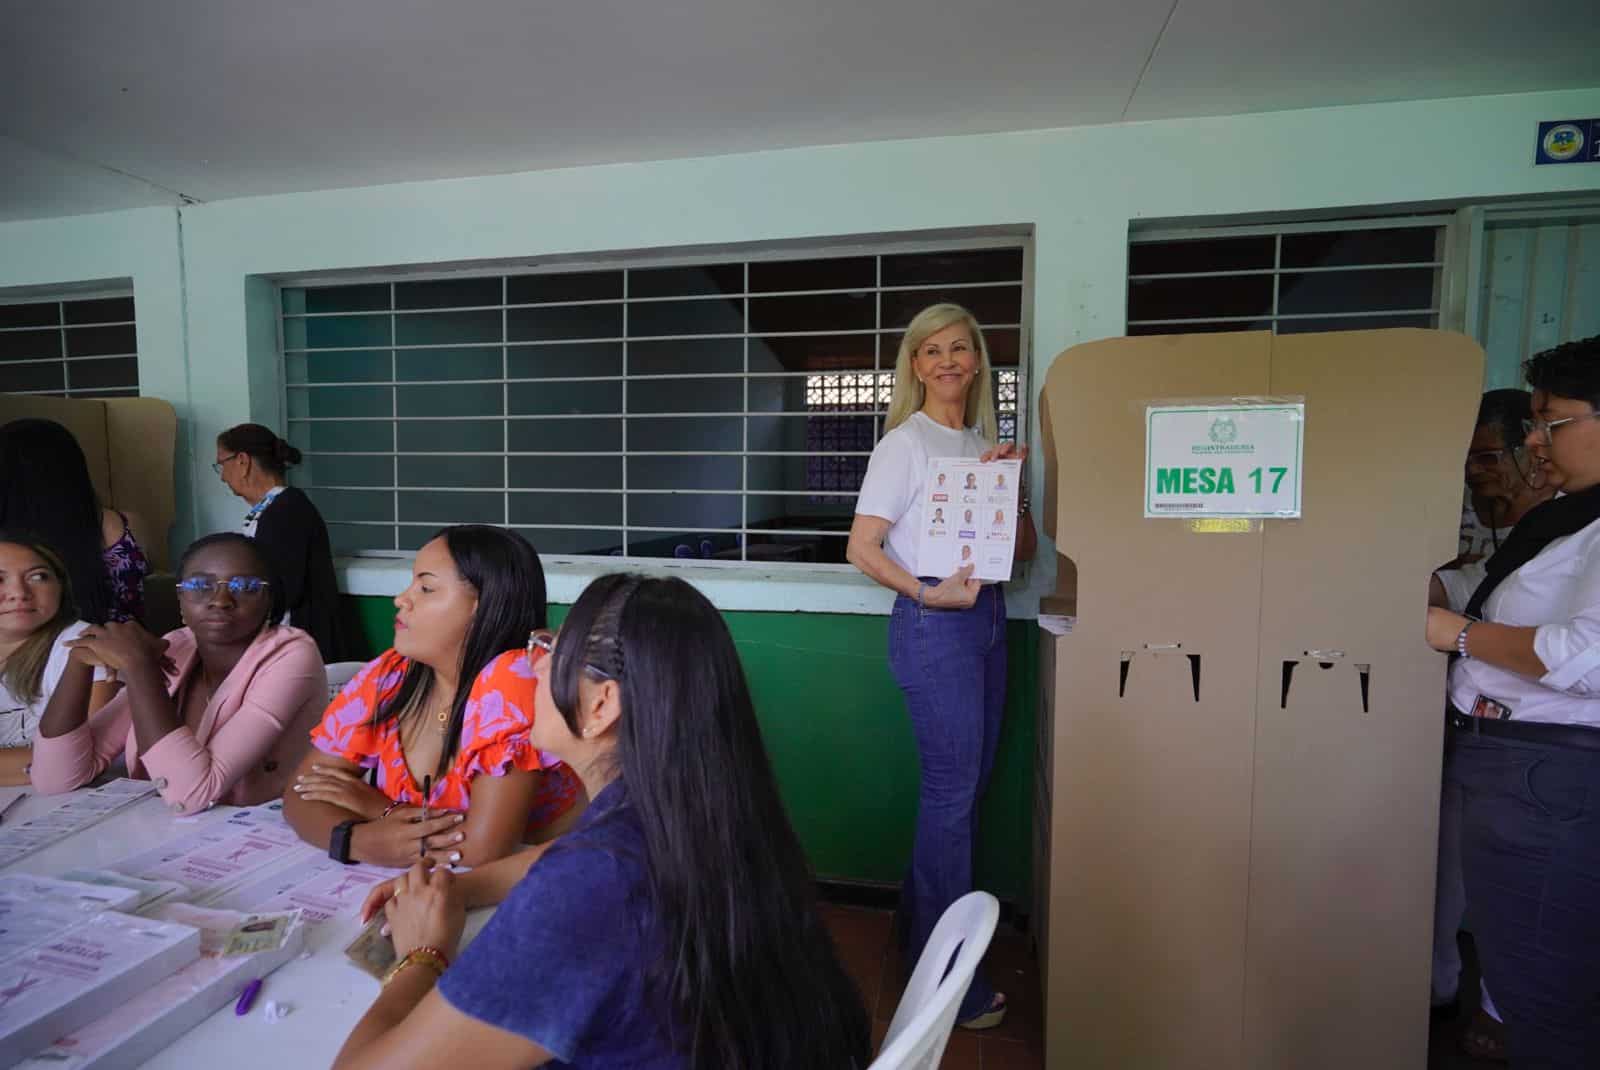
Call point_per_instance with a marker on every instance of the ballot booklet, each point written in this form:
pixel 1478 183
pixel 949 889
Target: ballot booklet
pixel 969 517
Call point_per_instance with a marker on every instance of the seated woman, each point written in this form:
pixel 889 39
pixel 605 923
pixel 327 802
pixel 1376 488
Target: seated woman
pixel 37 620
pixel 216 711
pixel 674 926
pixel 45 488
pixel 444 729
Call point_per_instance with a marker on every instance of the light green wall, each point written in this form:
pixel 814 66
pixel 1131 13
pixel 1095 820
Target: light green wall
pixel 1077 189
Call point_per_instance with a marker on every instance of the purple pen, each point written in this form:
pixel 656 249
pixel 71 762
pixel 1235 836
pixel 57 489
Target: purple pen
pixel 247 997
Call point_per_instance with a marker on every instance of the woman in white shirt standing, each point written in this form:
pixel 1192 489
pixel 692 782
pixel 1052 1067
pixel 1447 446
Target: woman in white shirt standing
pixel 37 619
pixel 947 635
pixel 1524 746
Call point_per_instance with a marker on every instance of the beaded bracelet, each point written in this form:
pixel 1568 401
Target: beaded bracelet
pixel 428 956
pixel 1461 639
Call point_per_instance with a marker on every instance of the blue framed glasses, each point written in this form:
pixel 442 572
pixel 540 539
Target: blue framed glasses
pixel 201 587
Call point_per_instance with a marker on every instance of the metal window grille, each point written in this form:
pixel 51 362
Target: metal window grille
pixel 72 347
pixel 1338 275
pixel 692 406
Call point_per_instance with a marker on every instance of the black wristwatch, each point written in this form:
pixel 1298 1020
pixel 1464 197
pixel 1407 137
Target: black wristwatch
pixel 339 842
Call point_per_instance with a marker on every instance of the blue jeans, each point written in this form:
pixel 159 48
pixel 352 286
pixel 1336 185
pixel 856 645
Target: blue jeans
pixel 951 664
pixel 1530 859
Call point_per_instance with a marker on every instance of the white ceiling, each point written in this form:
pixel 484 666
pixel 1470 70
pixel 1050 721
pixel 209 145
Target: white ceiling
pixel 109 104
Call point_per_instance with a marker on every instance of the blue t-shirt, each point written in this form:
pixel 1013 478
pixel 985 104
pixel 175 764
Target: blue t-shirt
pixel 564 960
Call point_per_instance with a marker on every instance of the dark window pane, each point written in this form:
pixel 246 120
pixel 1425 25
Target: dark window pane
pixel 564 398
pixel 29 377
pixel 686 317
pixel 354 538
pixel 685 473
pixel 346 437
pixel 450 436
pixel 684 281
pixel 572 286
pixel 820 312
pixel 1407 245
pixel 1137 329
pixel 561 323
pixel 811 352
pixel 1005 346
pixel 1239 295
pixel 556 436
pixel 1202 254
pixel 453 399
pixel 94 341
pixel 1354 323
pixel 345 332
pixel 595 542
pixel 556 361
pixel 340 401
pixel 669 356
pixel 841 273
pixel 811 549
pixel 593 509
pixel 103 374
pixel 1355 291
pixel 686 433
pixel 693 510
pixel 353 505
pixel 30 345
pixel 449 362
pixel 99 310
pixel 447 328
pixel 974 265
pixel 583 473
pixel 447 293
pixel 37 314
pixel 686 395
pixel 328 470
pixel 339 366
pixel 364 298
pixel 451 471
pixel 441 507
pixel 990 304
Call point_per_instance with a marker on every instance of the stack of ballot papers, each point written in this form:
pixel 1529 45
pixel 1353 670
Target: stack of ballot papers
pixel 235 949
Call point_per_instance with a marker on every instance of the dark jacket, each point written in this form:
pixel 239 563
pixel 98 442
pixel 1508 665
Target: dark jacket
pixel 291 533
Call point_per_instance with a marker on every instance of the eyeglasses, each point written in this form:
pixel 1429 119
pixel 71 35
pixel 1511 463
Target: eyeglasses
pixel 1546 428
pixel 1488 458
pixel 216 466
pixel 197 588
pixel 545 643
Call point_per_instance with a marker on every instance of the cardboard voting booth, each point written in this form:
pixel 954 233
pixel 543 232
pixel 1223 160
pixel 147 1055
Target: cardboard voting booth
pixel 1241 737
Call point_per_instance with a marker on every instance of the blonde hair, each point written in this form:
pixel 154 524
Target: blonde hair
pixel 23 670
pixel 909 392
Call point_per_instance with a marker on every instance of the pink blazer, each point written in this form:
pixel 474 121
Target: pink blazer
pixel 251 736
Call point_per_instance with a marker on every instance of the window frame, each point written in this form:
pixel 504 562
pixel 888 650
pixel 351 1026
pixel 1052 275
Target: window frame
pixel 995 238
pixel 60 298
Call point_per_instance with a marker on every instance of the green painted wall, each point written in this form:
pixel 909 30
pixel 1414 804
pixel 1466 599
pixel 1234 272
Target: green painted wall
pixel 836 728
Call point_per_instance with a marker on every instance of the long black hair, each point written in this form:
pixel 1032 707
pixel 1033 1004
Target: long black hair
pixel 748 973
pixel 279 604
pixel 45 489
pixel 504 569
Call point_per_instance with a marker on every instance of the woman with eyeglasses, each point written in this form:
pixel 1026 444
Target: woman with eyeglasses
pixel 1523 748
pixel 216 711
pixel 253 462
pixel 37 620
pixel 443 719
pixel 675 926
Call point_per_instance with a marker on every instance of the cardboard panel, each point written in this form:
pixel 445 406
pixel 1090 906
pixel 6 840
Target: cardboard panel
pixel 1151 795
pixel 1346 770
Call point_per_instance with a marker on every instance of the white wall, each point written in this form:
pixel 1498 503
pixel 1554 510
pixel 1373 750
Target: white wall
pixel 1078 189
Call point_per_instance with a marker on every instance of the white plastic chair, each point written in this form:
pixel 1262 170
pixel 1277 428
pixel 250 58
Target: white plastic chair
pixel 341 673
pixel 927 1012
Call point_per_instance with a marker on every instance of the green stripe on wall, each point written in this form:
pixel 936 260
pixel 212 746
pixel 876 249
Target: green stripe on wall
pixel 835 725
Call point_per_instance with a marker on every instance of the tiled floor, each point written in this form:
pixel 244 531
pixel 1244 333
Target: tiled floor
pixel 865 947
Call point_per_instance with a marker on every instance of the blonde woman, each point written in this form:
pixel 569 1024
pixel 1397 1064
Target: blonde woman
pixel 947 635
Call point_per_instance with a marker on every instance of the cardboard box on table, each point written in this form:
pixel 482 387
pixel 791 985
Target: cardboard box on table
pixel 1240 873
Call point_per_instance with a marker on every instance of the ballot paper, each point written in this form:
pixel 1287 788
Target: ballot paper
pixel 81 809
pixel 83 973
pixel 969 517
pixel 315 885
pixel 135 1031
pixel 215 856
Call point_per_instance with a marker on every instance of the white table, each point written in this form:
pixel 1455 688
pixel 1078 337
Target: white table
pixel 328 994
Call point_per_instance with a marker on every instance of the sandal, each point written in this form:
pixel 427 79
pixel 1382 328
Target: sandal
pixel 1485 1039
pixel 989 1018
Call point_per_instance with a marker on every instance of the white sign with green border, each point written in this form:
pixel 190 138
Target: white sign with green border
pixel 1223 460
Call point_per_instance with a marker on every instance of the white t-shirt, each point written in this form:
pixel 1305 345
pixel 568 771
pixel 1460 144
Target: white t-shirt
pixel 1557 593
pixel 896 474
pixel 19 721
